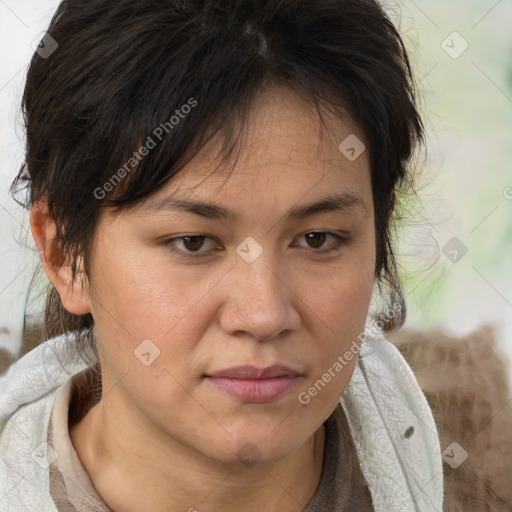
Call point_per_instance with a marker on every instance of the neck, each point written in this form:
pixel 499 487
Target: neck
pixel 123 457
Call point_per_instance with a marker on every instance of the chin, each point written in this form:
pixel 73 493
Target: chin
pixel 248 450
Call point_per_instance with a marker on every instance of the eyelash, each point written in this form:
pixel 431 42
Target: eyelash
pixel 169 243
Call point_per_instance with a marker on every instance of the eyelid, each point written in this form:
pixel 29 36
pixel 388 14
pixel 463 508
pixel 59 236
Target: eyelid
pixel 341 240
pixel 168 242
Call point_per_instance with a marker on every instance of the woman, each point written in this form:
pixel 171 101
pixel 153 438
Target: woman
pixel 211 342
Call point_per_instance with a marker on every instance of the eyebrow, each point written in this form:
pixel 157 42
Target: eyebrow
pixel 346 202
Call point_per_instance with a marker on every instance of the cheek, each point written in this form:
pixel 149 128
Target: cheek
pixel 137 302
pixel 140 299
pixel 337 311
pixel 339 297
pixel 143 295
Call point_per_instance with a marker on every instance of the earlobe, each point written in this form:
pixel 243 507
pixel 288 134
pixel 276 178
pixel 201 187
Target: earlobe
pixel 73 293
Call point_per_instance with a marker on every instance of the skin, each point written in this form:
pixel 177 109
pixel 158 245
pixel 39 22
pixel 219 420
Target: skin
pixel 162 438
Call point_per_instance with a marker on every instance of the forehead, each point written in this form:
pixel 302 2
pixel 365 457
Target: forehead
pixel 282 155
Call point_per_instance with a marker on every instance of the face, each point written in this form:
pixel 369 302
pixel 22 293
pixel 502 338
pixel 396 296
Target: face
pixel 279 294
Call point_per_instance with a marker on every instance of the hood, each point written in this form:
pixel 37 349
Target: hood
pixel 39 372
pixel 389 417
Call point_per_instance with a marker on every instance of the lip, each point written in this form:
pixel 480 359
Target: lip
pixel 257 385
pixel 253 372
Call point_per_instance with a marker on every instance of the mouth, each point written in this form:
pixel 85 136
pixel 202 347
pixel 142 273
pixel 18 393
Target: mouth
pixel 256 385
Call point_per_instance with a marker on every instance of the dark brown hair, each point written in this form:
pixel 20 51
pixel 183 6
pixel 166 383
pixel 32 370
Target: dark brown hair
pixel 123 68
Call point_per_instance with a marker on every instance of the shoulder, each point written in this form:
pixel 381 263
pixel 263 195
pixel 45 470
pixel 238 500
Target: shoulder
pixel 27 394
pixel 39 372
pixel 393 430
pixel 24 476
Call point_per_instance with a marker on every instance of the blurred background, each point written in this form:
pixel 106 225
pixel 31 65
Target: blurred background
pixel 456 242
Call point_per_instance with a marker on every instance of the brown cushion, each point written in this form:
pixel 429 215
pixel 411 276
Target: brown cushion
pixel 466 382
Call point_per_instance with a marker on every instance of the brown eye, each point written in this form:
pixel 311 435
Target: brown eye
pixel 193 243
pixel 316 240
pixel 189 245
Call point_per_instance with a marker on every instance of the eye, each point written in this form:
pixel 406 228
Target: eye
pixel 315 239
pixel 189 246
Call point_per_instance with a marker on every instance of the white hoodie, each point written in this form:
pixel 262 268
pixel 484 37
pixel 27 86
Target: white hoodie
pixel 402 465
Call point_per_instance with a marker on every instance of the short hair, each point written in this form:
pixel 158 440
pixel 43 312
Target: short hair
pixel 122 68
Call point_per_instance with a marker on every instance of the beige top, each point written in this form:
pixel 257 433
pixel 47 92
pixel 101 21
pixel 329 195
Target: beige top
pixel 342 486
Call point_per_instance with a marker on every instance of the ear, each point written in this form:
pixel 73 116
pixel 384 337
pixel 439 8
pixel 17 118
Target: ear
pixel 73 293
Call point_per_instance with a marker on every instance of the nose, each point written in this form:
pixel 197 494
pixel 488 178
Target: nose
pixel 259 301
